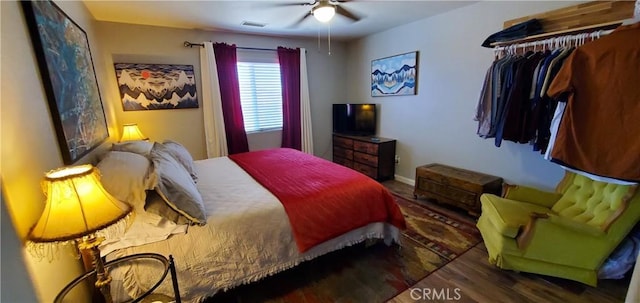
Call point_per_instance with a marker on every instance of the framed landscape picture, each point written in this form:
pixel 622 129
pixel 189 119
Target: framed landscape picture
pixel 395 75
pixel 156 86
pixel 69 79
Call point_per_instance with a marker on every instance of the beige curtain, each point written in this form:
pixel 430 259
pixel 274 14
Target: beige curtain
pixel 305 105
pixel 216 140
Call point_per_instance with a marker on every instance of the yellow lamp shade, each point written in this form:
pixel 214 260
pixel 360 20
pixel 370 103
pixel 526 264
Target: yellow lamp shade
pixel 77 205
pixel 131 132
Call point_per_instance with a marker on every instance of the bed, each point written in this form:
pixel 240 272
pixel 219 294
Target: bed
pixel 246 232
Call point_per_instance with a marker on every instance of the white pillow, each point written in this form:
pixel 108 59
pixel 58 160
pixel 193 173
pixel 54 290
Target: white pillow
pixel 138 147
pixel 183 156
pixel 175 185
pixel 141 233
pixel 127 176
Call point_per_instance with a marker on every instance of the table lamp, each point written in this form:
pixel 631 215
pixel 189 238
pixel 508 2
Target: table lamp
pixel 131 132
pixel 77 208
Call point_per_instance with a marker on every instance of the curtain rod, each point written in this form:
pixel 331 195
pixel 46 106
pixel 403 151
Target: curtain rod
pixel 189 44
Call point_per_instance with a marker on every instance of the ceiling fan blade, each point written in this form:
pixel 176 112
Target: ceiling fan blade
pixel 293 4
pixel 343 11
pixel 307 15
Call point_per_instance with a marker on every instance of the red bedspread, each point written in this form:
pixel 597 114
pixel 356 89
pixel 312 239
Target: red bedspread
pixel 322 199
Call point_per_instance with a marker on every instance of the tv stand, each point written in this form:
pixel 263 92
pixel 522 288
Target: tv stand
pixel 372 156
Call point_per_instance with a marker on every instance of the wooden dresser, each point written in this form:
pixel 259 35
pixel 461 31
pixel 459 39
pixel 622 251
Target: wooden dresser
pixel 374 157
pixel 455 186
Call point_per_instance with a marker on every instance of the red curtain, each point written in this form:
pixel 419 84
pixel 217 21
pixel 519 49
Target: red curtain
pixel 226 62
pixel 290 77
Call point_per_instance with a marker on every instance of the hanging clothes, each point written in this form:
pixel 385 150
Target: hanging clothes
pixel 513 105
pixel 545 107
pixel 518 102
pixel 500 84
pixel 483 109
pixel 600 128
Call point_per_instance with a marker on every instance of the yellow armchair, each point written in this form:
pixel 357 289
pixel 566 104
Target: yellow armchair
pixel 568 233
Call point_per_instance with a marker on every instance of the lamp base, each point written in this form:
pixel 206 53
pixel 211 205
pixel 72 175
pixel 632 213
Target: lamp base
pixel 90 243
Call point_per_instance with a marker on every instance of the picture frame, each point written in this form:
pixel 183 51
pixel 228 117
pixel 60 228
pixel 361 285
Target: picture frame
pixel 69 79
pixel 395 75
pixel 156 86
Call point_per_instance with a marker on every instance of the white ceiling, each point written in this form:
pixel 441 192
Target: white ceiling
pixel 228 15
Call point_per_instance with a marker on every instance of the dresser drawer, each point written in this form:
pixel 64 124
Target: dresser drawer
pixel 365 147
pixel 375 159
pixel 343 153
pixel 365 169
pixel 363 158
pixel 344 162
pixel 343 142
pixel 447 191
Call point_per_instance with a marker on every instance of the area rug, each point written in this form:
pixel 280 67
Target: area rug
pixel 368 272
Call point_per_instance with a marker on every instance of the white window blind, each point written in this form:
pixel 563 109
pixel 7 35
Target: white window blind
pixel 260 95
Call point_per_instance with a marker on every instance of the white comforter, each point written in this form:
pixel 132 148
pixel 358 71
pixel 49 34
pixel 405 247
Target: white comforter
pixel 247 237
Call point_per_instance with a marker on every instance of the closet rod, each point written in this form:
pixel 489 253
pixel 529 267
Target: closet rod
pixel 189 44
pixel 577 30
pixel 593 35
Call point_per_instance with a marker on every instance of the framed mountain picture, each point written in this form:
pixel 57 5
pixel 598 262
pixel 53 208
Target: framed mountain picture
pixel 395 75
pixel 156 86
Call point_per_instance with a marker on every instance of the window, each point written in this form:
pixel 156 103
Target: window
pixel 260 95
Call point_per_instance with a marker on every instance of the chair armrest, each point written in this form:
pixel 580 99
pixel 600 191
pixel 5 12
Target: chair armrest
pixel 576 226
pixel 530 195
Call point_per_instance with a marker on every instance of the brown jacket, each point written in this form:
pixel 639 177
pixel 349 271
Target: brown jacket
pixel 600 129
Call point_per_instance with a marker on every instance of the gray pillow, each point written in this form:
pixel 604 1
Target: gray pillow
pixel 175 185
pixel 183 156
pixel 156 205
pixel 137 147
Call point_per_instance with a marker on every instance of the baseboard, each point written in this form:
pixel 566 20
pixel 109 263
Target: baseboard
pixel 405 180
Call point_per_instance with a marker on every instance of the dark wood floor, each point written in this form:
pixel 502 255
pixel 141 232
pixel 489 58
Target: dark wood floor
pixel 470 277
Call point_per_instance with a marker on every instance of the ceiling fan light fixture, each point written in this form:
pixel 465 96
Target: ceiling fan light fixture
pixel 324 13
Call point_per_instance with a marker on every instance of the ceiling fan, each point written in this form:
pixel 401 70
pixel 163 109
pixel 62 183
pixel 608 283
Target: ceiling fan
pixel 324 10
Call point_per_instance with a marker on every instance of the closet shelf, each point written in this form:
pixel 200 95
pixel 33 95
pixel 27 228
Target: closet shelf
pixel 589 28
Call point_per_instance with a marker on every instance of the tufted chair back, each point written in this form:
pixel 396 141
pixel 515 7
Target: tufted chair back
pixel 591 202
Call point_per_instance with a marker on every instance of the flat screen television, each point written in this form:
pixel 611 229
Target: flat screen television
pixel 354 119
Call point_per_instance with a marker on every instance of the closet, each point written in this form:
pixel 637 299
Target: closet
pixel 514 104
pixel 571 94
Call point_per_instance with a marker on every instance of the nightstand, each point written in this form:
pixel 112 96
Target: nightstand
pixel 148 296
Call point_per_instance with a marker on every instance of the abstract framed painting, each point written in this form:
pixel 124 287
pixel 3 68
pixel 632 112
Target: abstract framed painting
pixel 66 67
pixel 395 75
pixel 156 86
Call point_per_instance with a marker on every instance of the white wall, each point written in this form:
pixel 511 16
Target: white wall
pixel 151 44
pixel 15 285
pixel 436 125
pixel 29 147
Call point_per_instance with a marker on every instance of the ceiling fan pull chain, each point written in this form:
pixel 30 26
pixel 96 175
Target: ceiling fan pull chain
pixel 318 39
pixel 329 37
